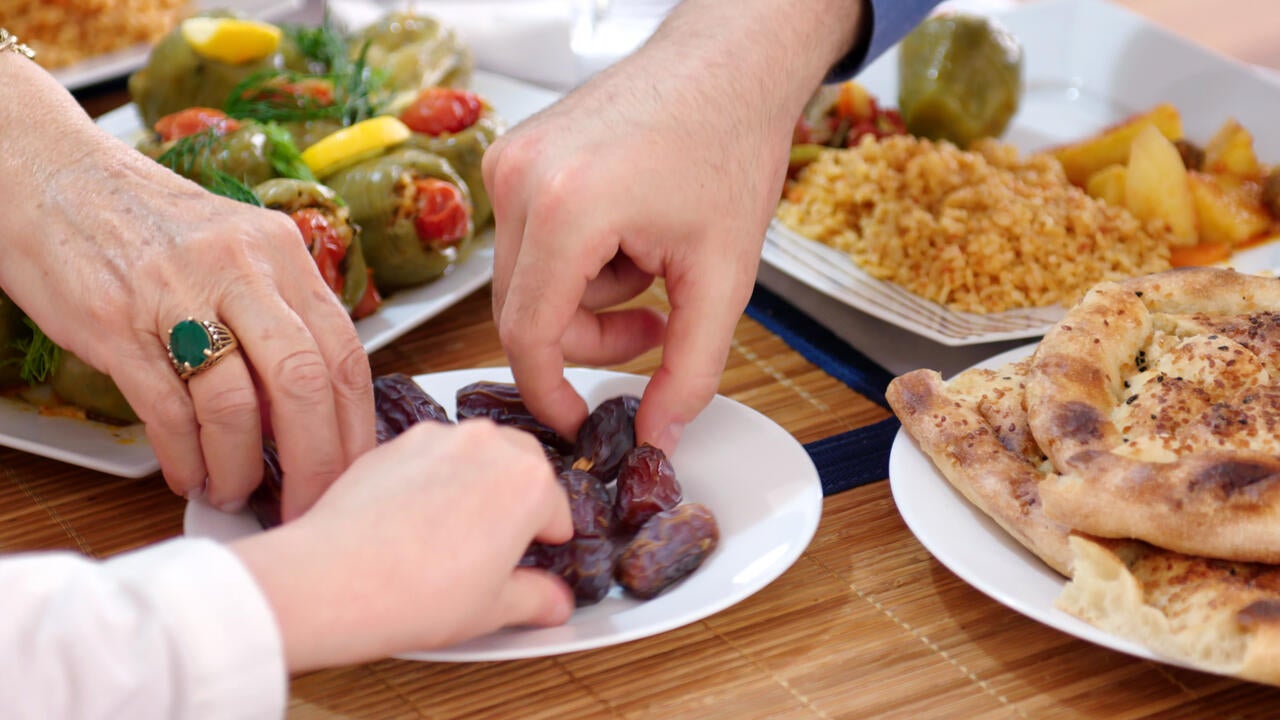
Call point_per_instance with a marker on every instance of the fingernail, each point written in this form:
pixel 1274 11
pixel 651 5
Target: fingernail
pixel 196 494
pixel 232 507
pixel 669 438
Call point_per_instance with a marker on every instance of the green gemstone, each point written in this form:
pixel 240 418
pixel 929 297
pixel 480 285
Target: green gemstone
pixel 189 341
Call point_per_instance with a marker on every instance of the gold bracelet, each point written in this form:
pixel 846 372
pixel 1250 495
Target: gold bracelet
pixel 9 41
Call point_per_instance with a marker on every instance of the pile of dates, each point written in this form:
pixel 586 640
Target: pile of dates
pixel 630 524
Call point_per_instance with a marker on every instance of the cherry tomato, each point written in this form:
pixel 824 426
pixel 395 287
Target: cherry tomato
pixel 324 243
pixel 316 90
pixel 176 126
pixel 443 214
pixel 369 302
pixel 441 110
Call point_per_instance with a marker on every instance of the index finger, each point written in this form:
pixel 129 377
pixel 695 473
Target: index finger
pixel 705 307
pixel 547 284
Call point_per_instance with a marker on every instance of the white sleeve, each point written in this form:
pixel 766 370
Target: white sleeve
pixel 177 630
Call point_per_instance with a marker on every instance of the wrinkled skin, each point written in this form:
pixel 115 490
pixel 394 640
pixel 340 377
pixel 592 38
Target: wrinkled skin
pixel 107 250
pixel 391 244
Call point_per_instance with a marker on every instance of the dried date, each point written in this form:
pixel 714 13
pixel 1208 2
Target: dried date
pixel 606 436
pixel 646 486
pixel 501 403
pixel 589 504
pixel 670 546
pixel 265 500
pixel 586 564
pixel 400 404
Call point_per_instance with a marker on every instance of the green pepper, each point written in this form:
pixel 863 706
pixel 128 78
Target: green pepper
pixel 245 154
pixel 306 133
pixel 375 191
pixel 959 78
pixel 289 196
pixel 415 52
pixel 13 332
pixel 75 382
pixel 464 150
pixel 176 77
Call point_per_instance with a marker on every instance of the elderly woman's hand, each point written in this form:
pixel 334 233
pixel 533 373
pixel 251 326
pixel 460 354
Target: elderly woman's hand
pixel 107 251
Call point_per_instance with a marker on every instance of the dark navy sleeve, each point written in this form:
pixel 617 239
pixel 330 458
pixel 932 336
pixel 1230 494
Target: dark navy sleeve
pixel 884 23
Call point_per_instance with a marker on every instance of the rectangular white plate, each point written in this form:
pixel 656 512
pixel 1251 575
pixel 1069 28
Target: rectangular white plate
pixel 1088 64
pixel 124 61
pixel 125 451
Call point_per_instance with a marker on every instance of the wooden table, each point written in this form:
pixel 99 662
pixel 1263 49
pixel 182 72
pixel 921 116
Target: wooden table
pixel 865 624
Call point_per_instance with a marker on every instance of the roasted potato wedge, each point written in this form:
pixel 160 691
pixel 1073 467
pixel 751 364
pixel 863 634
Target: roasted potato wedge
pixel 1111 147
pixel 1107 185
pixel 1230 152
pixel 1156 186
pixel 1229 213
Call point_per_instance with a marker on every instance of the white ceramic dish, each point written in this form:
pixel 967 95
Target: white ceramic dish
pixel 1088 64
pixel 124 61
pixel 755 477
pixel 975 548
pixel 125 451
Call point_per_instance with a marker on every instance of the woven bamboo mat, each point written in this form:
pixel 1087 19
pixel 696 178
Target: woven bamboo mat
pixel 865 624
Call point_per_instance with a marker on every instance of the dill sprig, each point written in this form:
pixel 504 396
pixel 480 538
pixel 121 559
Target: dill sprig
pixel 191 157
pixel 221 182
pixel 40 354
pixel 283 154
pixel 259 97
pixel 357 93
pixel 323 47
pixel 190 154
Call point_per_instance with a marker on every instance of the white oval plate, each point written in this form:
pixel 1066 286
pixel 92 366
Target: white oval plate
pixel 755 477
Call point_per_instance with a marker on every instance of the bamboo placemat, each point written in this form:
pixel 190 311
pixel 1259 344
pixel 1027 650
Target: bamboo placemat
pixel 865 624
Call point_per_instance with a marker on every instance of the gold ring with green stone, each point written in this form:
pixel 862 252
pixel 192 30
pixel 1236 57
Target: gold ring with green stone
pixel 197 345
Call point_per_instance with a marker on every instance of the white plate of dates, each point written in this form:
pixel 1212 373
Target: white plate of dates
pixel 735 469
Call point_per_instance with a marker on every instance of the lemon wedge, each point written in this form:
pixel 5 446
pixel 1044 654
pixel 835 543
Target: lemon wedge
pixel 230 40
pixel 353 144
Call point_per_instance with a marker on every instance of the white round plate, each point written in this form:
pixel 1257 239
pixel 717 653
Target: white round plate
pixel 974 547
pixel 755 477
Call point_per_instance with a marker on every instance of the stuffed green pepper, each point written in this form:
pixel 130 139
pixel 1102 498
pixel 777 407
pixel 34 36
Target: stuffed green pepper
pixel 14 335
pixel 414 52
pixel 179 75
pixel 197 142
pixel 74 382
pixel 459 126
pixel 334 242
pixel 414 213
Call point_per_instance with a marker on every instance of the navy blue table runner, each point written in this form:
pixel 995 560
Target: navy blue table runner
pixel 852 458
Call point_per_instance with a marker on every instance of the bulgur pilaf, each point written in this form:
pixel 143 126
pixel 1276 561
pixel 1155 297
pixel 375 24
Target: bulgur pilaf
pixel 979 231
pixel 66 31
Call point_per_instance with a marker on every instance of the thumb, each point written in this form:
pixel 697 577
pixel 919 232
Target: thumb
pixel 534 597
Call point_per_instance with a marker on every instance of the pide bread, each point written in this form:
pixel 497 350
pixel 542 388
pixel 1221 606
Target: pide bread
pixel 1158 401
pixel 1002 438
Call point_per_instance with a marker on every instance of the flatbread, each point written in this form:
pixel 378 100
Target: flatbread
pixel 1215 615
pixel 1158 400
pixel 1222 617
pixel 975 431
